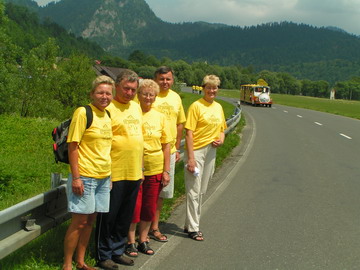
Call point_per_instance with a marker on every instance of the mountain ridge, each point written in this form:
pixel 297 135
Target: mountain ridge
pixel 123 26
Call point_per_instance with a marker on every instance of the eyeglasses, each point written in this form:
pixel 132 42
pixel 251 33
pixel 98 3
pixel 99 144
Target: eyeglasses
pixel 211 87
pixel 151 95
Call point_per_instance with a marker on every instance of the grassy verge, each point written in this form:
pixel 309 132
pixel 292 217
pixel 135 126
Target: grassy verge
pixel 27 142
pixel 338 106
pixel 26 158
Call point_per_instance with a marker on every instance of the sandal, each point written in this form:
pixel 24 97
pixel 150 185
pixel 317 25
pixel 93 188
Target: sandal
pixel 145 248
pixel 197 236
pixel 131 250
pixel 158 236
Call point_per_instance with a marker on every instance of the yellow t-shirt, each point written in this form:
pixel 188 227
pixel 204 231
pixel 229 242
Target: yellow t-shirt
pixel 169 103
pixel 206 120
pixel 94 142
pixel 128 144
pixel 156 132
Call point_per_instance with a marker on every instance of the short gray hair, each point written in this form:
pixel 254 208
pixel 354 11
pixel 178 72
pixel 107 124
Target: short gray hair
pixel 100 80
pixel 127 74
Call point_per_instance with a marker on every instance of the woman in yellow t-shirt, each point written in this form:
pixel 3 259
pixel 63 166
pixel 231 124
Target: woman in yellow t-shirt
pixel 88 188
pixel 157 138
pixel 205 126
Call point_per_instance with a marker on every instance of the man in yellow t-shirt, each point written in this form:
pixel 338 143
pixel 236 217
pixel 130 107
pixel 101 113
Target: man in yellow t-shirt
pixel 126 173
pixel 169 103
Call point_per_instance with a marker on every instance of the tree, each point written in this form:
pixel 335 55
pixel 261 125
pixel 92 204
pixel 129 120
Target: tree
pixel 73 84
pixel 9 52
pixel 146 72
pixel 288 84
pixel 114 62
pixel 183 72
pixel 322 89
pixel 138 57
pixel 306 87
pixel 348 89
pixel 37 74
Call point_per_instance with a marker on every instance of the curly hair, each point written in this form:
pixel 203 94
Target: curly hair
pixel 149 84
pixel 211 80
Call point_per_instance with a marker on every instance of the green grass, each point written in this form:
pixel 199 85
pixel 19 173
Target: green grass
pixel 26 160
pixel 338 106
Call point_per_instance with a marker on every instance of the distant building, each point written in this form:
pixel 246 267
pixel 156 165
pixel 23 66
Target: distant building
pixel 332 93
pixel 112 72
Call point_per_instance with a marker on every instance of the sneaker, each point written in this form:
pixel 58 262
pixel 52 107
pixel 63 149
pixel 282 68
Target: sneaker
pixel 108 265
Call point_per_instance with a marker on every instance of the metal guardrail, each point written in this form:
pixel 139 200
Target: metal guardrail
pixel 29 219
pixel 234 120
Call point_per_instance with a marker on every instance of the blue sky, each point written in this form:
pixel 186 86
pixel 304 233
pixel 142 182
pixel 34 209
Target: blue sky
pixel 344 14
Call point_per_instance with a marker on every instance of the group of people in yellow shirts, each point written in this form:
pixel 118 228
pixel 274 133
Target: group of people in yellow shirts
pixel 122 167
pixel 197 89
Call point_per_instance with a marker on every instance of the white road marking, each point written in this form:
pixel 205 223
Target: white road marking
pixel 319 124
pixel 285 111
pixel 347 137
pixel 300 116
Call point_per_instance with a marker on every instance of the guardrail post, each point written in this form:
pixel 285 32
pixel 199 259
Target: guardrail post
pixel 55 180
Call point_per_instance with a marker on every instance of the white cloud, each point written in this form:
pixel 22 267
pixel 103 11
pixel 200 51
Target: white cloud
pixel 340 13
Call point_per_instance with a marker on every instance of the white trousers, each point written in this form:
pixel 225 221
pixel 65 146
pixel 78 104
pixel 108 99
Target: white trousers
pixel 168 191
pixel 196 186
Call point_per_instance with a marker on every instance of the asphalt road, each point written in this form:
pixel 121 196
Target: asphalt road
pixel 288 198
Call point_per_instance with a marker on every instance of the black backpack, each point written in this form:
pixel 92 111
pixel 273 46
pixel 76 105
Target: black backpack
pixel 60 134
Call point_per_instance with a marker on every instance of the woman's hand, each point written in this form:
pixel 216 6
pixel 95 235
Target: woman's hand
pixel 165 179
pixel 77 186
pixel 191 165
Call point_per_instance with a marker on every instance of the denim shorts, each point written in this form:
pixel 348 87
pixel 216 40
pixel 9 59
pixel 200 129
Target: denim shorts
pixel 96 196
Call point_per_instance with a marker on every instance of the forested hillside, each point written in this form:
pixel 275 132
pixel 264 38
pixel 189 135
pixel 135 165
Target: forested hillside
pixel 63 63
pixel 123 26
pixel 44 71
pixel 27 31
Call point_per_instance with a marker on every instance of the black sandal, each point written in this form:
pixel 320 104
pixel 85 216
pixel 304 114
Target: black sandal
pixel 131 248
pixel 145 248
pixel 197 236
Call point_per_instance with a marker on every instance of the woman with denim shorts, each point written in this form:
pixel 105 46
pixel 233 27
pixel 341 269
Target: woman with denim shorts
pixel 88 186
